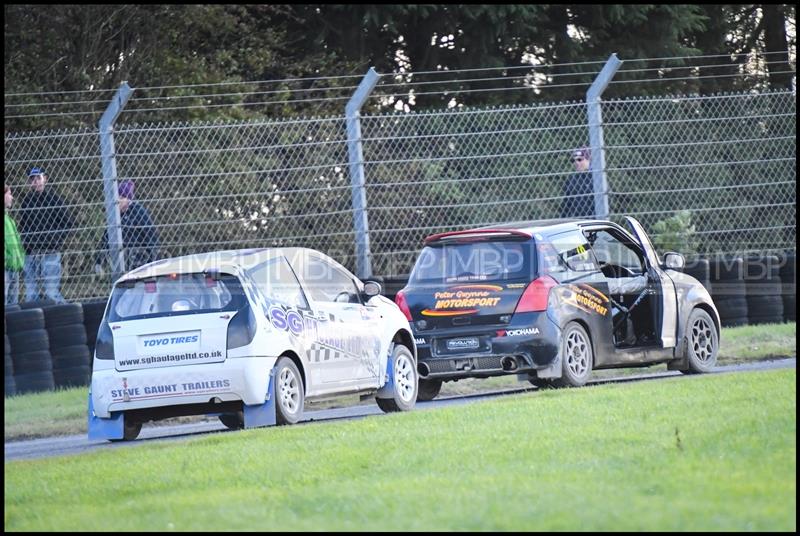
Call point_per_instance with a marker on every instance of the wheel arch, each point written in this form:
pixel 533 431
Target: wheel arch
pixel 582 323
pixel 299 364
pixel 404 337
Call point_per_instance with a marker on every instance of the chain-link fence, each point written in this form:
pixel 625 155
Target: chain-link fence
pixel 730 160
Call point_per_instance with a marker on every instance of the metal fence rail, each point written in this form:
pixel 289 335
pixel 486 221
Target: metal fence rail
pixel 729 159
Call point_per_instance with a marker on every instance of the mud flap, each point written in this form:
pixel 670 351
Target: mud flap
pixel 262 414
pixel 681 352
pixel 387 391
pixel 111 428
pixel 553 370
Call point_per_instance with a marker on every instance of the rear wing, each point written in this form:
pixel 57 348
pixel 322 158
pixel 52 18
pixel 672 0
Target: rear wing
pixel 478 235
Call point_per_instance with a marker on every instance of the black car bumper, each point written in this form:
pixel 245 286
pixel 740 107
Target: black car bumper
pixel 529 342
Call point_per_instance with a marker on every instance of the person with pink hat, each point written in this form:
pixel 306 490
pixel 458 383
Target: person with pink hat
pixel 139 236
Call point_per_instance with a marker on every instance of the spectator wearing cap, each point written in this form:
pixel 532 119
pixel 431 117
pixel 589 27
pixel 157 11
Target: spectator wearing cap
pixel 139 237
pixel 15 255
pixel 578 192
pixel 44 223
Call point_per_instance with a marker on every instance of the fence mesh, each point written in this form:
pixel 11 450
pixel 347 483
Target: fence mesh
pixel 730 160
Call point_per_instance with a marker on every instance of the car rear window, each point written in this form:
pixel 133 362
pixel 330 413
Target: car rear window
pixel 474 261
pixel 175 294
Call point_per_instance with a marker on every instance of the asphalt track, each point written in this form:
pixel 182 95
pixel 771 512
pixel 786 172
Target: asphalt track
pixel 78 444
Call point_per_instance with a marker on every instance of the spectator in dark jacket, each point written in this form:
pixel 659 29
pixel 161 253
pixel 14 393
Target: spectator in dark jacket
pixel 578 192
pixel 44 223
pixel 139 237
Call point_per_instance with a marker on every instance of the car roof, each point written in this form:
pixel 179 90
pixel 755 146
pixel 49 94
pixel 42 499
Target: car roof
pixel 231 260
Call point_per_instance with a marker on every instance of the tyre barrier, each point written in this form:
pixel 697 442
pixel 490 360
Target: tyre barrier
pixel 32 362
pixel 728 290
pixel 37 304
pixel 788 275
pixel 92 316
pixel 63 314
pixel 700 269
pixel 71 365
pixel 29 340
pixel 47 347
pixel 11 386
pixel 68 335
pixel 393 284
pixel 72 376
pixel 34 382
pixel 763 289
pixel 24 319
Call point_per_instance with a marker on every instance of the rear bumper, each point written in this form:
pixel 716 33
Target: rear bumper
pixel 243 379
pixel 530 342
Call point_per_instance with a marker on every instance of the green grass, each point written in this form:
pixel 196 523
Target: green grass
pixel 713 452
pixel 64 412
pixel 752 343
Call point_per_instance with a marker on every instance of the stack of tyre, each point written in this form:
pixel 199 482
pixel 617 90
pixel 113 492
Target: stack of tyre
pixel 30 351
pixel 392 284
pixel 700 269
pixel 92 316
pixel 763 288
pixel 728 290
pixel 11 386
pixel 70 353
pixel 788 275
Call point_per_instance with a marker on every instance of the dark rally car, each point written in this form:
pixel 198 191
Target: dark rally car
pixel 551 301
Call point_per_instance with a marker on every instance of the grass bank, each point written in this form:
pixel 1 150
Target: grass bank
pixel 63 412
pixel 704 453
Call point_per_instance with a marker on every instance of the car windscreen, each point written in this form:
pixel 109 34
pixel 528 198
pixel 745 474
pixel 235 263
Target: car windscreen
pixel 175 294
pixel 474 261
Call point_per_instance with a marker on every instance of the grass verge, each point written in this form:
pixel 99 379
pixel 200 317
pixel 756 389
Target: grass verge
pixel 714 452
pixel 63 412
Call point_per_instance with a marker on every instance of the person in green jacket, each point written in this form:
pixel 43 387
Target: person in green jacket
pixel 15 254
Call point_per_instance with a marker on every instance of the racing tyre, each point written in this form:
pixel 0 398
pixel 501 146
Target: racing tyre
pixel 130 429
pixel 702 342
pixel 428 389
pixel 63 314
pixel 288 392
pixel 233 421
pixel 405 382
pixel 69 335
pixel 577 357
pixel 24 320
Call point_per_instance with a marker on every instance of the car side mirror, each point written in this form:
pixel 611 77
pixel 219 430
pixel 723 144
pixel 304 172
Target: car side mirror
pixel 674 261
pixel 372 288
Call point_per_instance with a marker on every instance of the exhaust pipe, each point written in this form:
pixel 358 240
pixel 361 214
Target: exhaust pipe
pixel 423 370
pixel 509 363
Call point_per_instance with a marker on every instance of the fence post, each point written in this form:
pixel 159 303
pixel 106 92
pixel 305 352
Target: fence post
pixel 596 144
pixel 356 161
pixel 109 163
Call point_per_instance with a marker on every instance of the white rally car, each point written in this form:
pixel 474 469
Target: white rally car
pixel 248 335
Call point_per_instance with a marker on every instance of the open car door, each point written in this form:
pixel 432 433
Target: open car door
pixel 667 299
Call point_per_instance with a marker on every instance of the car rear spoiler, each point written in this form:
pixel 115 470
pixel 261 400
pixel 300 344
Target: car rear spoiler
pixel 478 235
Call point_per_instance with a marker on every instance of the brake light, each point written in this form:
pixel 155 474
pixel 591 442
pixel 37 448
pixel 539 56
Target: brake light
pixel 400 300
pixel 535 296
pixel 104 347
pixel 242 328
